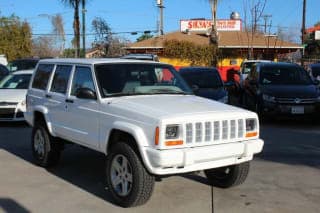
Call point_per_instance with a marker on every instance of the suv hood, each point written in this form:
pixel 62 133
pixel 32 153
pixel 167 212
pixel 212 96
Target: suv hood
pixel 12 95
pixel 157 106
pixel 291 91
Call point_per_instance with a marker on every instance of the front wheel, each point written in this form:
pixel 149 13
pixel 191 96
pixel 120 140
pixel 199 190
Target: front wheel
pixel 129 182
pixel 228 176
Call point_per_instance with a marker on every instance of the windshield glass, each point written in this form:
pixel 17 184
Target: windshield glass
pixel 284 75
pixel 22 65
pixel 18 81
pixel 247 67
pixel 136 79
pixel 203 79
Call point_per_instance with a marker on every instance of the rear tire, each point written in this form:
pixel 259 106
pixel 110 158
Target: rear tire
pixel 46 149
pixel 229 176
pixel 129 182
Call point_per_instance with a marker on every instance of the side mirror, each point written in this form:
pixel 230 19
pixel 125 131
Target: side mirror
pixel 86 93
pixel 195 88
pixel 316 82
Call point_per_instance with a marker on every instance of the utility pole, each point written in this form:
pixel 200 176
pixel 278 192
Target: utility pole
pixel 160 6
pixel 266 17
pixel 303 30
pixel 84 27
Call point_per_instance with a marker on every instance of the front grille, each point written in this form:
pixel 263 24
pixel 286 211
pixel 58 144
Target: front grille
pixel 198 133
pixel 5 103
pixel 7 112
pixel 296 100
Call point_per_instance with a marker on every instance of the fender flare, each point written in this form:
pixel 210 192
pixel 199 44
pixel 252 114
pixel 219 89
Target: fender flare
pixel 44 112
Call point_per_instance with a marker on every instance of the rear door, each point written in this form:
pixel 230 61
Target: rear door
pixel 56 97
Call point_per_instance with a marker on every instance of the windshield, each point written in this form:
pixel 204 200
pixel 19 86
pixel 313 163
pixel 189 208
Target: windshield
pixel 203 79
pixel 137 79
pixel 284 75
pixel 247 67
pixel 22 65
pixel 18 81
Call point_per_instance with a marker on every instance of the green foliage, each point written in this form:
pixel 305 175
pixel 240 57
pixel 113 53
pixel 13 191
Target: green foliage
pixel 144 37
pixel 70 53
pixel 198 55
pixel 15 38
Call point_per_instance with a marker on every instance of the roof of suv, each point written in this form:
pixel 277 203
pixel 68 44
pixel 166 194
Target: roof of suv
pixel 94 60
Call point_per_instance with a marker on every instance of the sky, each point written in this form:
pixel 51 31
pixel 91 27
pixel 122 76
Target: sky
pixel 141 15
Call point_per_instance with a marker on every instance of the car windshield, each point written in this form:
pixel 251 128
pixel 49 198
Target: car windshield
pixel 247 67
pixel 208 79
pixel 15 81
pixel 139 79
pixel 22 65
pixel 288 75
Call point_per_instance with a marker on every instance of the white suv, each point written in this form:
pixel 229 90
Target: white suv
pixel 144 118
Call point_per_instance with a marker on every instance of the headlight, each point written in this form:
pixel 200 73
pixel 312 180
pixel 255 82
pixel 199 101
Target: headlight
pixel 172 132
pixel 268 98
pixel 251 127
pixel 23 103
pixel 224 99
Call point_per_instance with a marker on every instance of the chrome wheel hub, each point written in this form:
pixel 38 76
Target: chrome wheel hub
pixel 39 143
pixel 121 175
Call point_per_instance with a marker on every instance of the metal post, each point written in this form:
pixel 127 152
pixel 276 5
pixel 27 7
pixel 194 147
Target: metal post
pixel 84 28
pixel 160 5
pixel 303 30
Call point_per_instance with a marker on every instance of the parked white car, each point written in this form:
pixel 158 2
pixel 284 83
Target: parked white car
pixel 13 90
pixel 143 116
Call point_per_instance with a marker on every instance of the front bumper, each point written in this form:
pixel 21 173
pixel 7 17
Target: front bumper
pixel 164 162
pixel 286 109
pixel 11 113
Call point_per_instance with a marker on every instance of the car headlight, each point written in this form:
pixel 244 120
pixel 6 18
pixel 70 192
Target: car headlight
pixel 172 131
pixel 224 99
pixel 251 127
pixel 268 98
pixel 23 103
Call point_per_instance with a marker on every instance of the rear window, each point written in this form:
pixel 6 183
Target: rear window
pixel 42 76
pixel 208 79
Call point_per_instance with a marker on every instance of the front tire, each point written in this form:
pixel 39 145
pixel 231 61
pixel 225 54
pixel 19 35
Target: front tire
pixel 129 182
pixel 229 176
pixel 46 149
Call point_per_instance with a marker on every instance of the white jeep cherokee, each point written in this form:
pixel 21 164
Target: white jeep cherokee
pixel 143 117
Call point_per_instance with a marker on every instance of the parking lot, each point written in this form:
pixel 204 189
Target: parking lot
pixel 283 178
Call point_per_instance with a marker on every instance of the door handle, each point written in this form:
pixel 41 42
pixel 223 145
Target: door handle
pixel 69 101
pixel 48 96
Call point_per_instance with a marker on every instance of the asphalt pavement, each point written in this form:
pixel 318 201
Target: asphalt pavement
pixel 284 178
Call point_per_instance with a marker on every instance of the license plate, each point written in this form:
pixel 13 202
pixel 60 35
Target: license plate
pixel 297 110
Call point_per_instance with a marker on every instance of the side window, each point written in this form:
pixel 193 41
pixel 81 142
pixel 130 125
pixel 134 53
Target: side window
pixel 42 76
pixel 60 79
pixel 82 78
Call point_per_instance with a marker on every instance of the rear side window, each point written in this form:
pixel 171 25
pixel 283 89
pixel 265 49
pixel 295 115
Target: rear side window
pixel 42 76
pixel 60 79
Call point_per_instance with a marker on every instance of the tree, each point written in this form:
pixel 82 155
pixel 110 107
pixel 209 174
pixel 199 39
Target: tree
pixel 102 33
pixel 144 37
pixel 58 31
pixel 76 23
pixel 15 37
pixel 43 46
pixel 251 22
